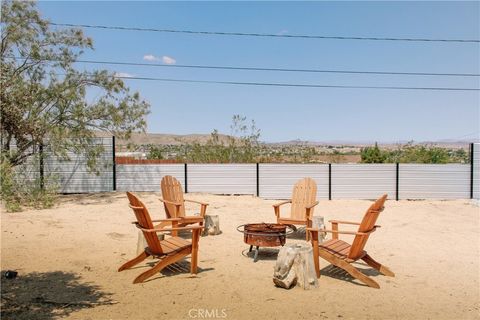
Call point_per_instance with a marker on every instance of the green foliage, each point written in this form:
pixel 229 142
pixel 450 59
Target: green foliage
pixel 155 152
pixel 18 190
pixel 372 154
pixel 43 97
pixel 240 147
pixel 459 155
pixel 411 153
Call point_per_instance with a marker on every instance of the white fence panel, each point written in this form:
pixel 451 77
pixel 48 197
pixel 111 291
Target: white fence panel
pixel 363 181
pixel 222 178
pixel 476 170
pixel 434 181
pixel 147 177
pixel 277 180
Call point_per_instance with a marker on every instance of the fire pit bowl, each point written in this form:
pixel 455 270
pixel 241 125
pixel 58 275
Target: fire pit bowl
pixel 265 234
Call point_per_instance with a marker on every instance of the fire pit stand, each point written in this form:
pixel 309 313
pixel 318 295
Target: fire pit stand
pixel 264 235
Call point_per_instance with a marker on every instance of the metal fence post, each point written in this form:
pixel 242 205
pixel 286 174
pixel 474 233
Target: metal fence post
pixel 258 179
pixel 329 181
pixel 186 177
pixel 471 169
pixel 397 180
pixel 42 177
pixel 114 166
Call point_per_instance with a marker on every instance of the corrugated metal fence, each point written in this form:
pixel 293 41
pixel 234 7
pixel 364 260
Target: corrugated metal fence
pixel 275 181
pixel 74 176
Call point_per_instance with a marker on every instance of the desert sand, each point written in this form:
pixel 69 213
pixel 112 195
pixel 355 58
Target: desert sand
pixel 67 259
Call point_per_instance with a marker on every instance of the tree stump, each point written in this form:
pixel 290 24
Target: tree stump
pixel 212 225
pixel 318 223
pixel 142 243
pixel 295 267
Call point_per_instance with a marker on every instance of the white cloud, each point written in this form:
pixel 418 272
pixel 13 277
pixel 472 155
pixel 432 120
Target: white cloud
pixel 123 75
pixel 168 60
pixel 150 57
pixel 282 32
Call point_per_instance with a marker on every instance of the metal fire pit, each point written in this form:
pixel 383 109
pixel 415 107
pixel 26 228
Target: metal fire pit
pixel 264 235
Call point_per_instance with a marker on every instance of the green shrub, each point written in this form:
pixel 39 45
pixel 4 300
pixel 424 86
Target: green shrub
pixel 18 190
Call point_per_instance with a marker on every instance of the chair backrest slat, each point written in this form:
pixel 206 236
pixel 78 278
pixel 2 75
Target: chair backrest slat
pixel 304 194
pixel 172 191
pixel 367 224
pixel 144 220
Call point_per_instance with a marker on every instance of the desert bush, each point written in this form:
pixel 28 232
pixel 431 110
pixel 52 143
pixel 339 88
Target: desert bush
pixel 19 189
pixel 411 153
pixel 241 146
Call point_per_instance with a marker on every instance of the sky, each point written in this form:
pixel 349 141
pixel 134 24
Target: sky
pixel 288 113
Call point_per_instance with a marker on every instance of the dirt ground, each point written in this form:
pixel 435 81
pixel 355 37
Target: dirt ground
pixel 67 260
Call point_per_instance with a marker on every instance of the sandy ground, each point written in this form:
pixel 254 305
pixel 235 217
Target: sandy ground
pixel 67 259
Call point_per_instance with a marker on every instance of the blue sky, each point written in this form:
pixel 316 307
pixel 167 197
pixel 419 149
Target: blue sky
pixel 317 114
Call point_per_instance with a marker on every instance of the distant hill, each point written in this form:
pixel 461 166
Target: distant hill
pixel 166 139
pixel 176 139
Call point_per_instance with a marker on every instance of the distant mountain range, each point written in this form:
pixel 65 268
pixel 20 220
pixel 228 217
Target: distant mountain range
pixel 166 139
pixel 176 139
pixel 443 143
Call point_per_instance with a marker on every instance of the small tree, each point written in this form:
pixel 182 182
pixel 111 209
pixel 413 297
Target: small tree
pixel 242 146
pixel 43 97
pixel 372 154
pixel 155 152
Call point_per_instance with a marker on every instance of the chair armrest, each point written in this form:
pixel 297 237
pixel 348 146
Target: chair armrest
pixel 344 222
pixel 170 202
pixel 308 210
pixel 203 207
pixel 167 229
pixel 167 220
pixel 312 205
pixel 194 201
pixel 162 220
pixel 276 207
pixel 282 203
pixel 341 232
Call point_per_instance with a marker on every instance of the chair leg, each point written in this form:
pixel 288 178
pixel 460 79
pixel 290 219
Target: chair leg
pixel 381 268
pixel 357 274
pixel 142 256
pixel 348 268
pixel 194 258
pixel 159 266
pixel 315 249
pixel 307 234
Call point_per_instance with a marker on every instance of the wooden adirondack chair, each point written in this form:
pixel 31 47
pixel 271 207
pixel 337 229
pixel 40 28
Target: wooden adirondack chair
pixel 342 254
pixel 170 250
pixel 174 202
pixel 304 199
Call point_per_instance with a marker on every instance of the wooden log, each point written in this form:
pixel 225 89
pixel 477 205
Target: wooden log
pixel 283 275
pixel 295 266
pixel 318 222
pixel 212 225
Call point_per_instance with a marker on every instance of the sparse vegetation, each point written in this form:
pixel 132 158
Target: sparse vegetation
pixel 411 153
pixel 241 146
pixel 155 152
pixel 22 188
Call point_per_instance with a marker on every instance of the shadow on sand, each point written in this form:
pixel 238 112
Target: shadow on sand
pixel 340 274
pixel 48 295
